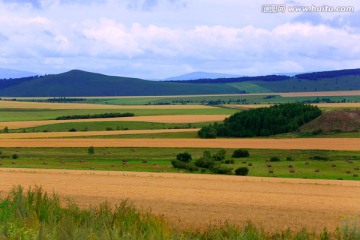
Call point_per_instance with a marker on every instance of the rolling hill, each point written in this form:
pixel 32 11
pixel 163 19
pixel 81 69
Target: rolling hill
pixel 81 83
pixel 339 80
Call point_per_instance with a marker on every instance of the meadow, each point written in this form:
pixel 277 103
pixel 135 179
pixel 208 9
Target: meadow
pixel 293 163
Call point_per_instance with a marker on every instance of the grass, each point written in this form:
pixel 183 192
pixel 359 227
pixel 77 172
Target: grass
pixel 159 160
pixel 35 214
pixel 8 114
pixel 220 99
pixel 102 126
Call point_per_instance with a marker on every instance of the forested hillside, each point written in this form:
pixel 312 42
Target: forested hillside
pixel 273 120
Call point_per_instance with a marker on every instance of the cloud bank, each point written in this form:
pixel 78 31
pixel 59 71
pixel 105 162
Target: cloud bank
pixel 160 38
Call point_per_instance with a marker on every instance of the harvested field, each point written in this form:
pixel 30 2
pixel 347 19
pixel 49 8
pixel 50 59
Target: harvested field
pixel 157 119
pixel 89 133
pixel 298 143
pixel 195 201
pixel 43 105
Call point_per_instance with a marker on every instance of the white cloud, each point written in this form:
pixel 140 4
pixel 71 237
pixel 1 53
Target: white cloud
pixel 106 36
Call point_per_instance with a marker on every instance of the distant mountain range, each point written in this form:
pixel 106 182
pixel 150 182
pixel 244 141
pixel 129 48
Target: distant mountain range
pixel 6 73
pixel 81 83
pixel 201 75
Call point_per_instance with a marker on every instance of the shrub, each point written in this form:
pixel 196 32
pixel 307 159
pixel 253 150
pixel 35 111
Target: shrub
pixel 205 163
pixel 72 130
pixel 184 157
pixel 242 171
pixel 207 154
pixel 207 132
pixel 239 153
pixel 289 159
pixel 229 161
pixel 183 165
pixel 5 130
pixel 91 150
pixel 321 158
pixel 220 155
pixel 274 159
pixel 222 170
pixel 15 156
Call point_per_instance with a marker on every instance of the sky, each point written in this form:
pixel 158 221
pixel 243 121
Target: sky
pixel 155 39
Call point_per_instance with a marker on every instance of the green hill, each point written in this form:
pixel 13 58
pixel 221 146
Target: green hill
pixel 80 83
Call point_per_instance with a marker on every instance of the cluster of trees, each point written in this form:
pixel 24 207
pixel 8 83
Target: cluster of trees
pixel 276 119
pixel 203 102
pixel 65 99
pixel 212 162
pixel 101 115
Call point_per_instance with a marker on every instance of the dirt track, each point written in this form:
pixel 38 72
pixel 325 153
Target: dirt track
pixel 298 143
pixel 195 201
pixel 158 119
pixel 89 133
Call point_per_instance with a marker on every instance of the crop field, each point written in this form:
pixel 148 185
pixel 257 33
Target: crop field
pixel 298 143
pixel 315 183
pixel 197 201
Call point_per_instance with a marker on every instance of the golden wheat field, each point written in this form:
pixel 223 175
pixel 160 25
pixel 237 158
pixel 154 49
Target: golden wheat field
pixel 89 133
pixel 196 201
pixel 297 143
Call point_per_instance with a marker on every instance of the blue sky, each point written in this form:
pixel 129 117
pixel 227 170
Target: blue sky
pixel 156 39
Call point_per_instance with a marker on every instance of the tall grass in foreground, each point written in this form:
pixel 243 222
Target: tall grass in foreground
pixel 33 214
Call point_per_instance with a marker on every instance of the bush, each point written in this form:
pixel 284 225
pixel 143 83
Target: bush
pixel 91 150
pixel 184 157
pixel 5 130
pixel 207 154
pixel 207 132
pixel 205 163
pixel 239 153
pixel 183 165
pixel 229 161
pixel 72 130
pixel 222 170
pixel 242 171
pixel 321 158
pixel 274 159
pixel 220 155
pixel 289 159
pixel 15 156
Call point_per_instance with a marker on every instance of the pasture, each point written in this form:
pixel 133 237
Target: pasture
pixel 293 163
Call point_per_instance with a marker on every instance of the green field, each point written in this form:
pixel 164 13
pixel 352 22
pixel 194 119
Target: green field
pixel 339 164
pixel 102 126
pixel 208 100
pixel 8 115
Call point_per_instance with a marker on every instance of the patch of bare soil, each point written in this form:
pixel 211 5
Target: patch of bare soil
pixel 338 120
